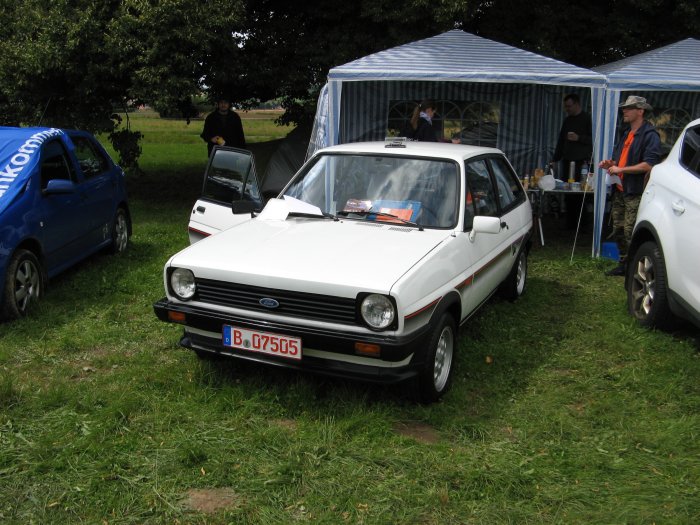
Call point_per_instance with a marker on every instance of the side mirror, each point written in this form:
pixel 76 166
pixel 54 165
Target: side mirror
pixel 241 207
pixel 483 224
pixel 59 187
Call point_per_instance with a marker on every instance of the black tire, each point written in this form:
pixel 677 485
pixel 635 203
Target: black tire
pixel 436 377
pixel 647 287
pixel 120 232
pixel 24 285
pixel 515 284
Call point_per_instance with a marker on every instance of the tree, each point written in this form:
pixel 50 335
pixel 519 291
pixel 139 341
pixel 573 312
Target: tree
pixel 71 63
pixel 289 45
pixel 585 34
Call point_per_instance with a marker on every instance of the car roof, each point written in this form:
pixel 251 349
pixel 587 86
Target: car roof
pixel 31 130
pixel 457 152
pixel 693 123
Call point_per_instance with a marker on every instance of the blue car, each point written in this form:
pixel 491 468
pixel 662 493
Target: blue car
pixel 62 199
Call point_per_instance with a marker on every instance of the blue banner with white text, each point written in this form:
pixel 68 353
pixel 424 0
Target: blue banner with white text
pixel 20 153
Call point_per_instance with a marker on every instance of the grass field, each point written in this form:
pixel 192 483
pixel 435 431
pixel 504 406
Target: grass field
pixel 563 410
pixel 171 144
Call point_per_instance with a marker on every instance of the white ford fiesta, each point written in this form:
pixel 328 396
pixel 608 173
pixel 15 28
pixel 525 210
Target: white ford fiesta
pixel 364 266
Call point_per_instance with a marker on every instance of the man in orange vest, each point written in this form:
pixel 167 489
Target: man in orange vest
pixel 638 149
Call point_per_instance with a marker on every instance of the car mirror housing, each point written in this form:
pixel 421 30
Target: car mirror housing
pixel 59 186
pixel 240 207
pixel 483 224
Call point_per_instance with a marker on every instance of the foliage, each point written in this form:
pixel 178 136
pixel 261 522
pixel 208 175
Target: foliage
pixel 586 34
pixel 280 33
pixel 54 67
pixel 69 63
pixel 126 143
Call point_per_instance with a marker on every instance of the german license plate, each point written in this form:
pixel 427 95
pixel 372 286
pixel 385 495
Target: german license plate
pixel 264 342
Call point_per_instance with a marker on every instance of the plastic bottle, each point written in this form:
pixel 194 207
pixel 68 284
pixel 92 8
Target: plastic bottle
pixel 572 172
pixel 526 181
pixel 584 173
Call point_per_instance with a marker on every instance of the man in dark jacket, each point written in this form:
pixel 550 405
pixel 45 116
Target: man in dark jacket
pixel 223 127
pixel 638 149
pixel 575 145
pixel 575 137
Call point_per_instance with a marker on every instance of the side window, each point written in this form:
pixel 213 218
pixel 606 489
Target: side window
pixel 469 210
pixel 481 189
pixel 230 177
pixel 510 192
pixel 690 150
pixel 91 161
pixel 55 164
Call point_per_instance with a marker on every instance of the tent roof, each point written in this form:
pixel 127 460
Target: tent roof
pixel 671 67
pixel 460 56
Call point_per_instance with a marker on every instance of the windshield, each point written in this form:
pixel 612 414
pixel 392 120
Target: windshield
pixel 423 191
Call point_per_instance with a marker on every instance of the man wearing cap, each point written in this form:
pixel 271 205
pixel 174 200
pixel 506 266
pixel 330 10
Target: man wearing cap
pixel 637 150
pixel 223 127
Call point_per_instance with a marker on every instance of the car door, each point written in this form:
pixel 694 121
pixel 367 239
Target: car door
pixel 97 185
pixel 230 176
pixel 515 212
pixel 491 253
pixel 682 193
pixel 63 217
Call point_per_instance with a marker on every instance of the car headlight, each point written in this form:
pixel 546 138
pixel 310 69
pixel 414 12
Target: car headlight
pixel 182 283
pixel 377 311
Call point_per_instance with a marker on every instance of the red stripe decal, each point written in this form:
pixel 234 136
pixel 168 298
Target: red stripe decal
pixel 199 231
pixel 426 307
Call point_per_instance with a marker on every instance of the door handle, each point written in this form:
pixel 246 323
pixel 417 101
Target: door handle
pixel 678 207
pixel 201 209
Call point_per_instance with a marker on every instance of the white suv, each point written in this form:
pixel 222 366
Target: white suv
pixel 662 279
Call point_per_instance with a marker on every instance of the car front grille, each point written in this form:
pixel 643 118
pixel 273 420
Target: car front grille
pixel 292 304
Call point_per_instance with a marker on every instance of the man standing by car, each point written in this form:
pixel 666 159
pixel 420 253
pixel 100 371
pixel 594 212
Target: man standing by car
pixel 637 150
pixel 575 145
pixel 223 127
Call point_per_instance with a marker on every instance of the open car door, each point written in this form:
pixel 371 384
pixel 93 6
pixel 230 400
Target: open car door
pixel 230 177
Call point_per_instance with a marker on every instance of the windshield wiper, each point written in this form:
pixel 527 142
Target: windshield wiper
pixel 323 215
pixel 365 213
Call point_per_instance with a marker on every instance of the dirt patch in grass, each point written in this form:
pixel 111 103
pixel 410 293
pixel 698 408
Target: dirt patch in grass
pixel 419 431
pixel 210 501
pixel 288 424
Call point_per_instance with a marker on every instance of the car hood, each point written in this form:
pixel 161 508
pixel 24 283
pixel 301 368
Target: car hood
pixel 314 255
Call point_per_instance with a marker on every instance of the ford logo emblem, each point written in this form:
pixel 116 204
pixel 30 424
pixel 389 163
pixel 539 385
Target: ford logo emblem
pixel 268 302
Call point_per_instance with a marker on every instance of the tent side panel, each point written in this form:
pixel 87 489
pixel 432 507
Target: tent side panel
pixel 523 116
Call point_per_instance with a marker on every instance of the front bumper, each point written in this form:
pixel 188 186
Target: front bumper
pixel 324 351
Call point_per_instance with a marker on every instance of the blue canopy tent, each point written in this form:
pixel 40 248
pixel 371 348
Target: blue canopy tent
pixel 668 77
pixel 525 89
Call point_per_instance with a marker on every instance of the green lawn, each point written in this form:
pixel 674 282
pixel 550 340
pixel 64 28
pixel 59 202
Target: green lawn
pixel 563 410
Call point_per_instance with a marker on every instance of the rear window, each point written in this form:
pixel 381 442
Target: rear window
pixel 92 162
